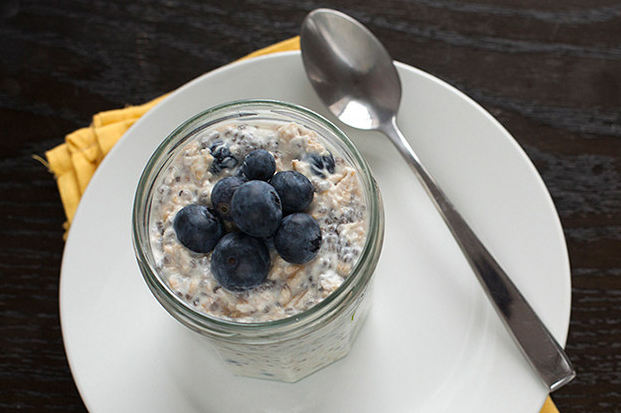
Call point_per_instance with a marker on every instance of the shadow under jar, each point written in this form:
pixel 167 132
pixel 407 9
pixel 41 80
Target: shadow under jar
pixel 304 316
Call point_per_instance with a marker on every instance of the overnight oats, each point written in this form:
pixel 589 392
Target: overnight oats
pixel 258 225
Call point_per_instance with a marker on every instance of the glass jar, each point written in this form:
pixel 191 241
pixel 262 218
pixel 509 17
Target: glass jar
pixel 285 349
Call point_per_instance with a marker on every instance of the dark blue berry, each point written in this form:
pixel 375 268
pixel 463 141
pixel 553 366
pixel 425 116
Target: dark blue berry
pixel 294 189
pixel 222 157
pixel 222 193
pixel 197 228
pixel 321 163
pixel 298 239
pixel 256 209
pixel 240 262
pixel 259 164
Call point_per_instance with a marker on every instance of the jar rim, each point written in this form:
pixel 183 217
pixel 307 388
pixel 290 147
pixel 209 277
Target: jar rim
pixel 358 277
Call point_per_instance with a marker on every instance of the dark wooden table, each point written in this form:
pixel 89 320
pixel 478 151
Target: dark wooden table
pixel 548 70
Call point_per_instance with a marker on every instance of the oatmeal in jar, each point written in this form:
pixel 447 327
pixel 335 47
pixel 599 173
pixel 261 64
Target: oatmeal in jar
pixel 256 221
pixel 258 225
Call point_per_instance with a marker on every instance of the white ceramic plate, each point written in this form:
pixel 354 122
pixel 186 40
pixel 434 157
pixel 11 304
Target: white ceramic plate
pixel 432 342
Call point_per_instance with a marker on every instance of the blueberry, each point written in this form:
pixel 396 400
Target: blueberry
pixel 240 262
pixel 222 157
pixel 294 189
pixel 298 239
pixel 259 164
pixel 321 163
pixel 197 228
pixel 256 209
pixel 222 193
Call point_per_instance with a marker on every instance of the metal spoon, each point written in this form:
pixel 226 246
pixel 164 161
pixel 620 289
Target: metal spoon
pixel 355 76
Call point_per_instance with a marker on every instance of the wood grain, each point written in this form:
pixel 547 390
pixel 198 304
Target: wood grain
pixel 549 71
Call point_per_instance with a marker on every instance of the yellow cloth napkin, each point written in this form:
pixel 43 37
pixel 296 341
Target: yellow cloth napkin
pixel 74 162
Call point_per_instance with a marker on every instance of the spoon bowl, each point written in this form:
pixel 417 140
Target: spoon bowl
pixel 355 77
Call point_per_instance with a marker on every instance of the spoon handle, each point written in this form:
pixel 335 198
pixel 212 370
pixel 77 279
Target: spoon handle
pixel 537 344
